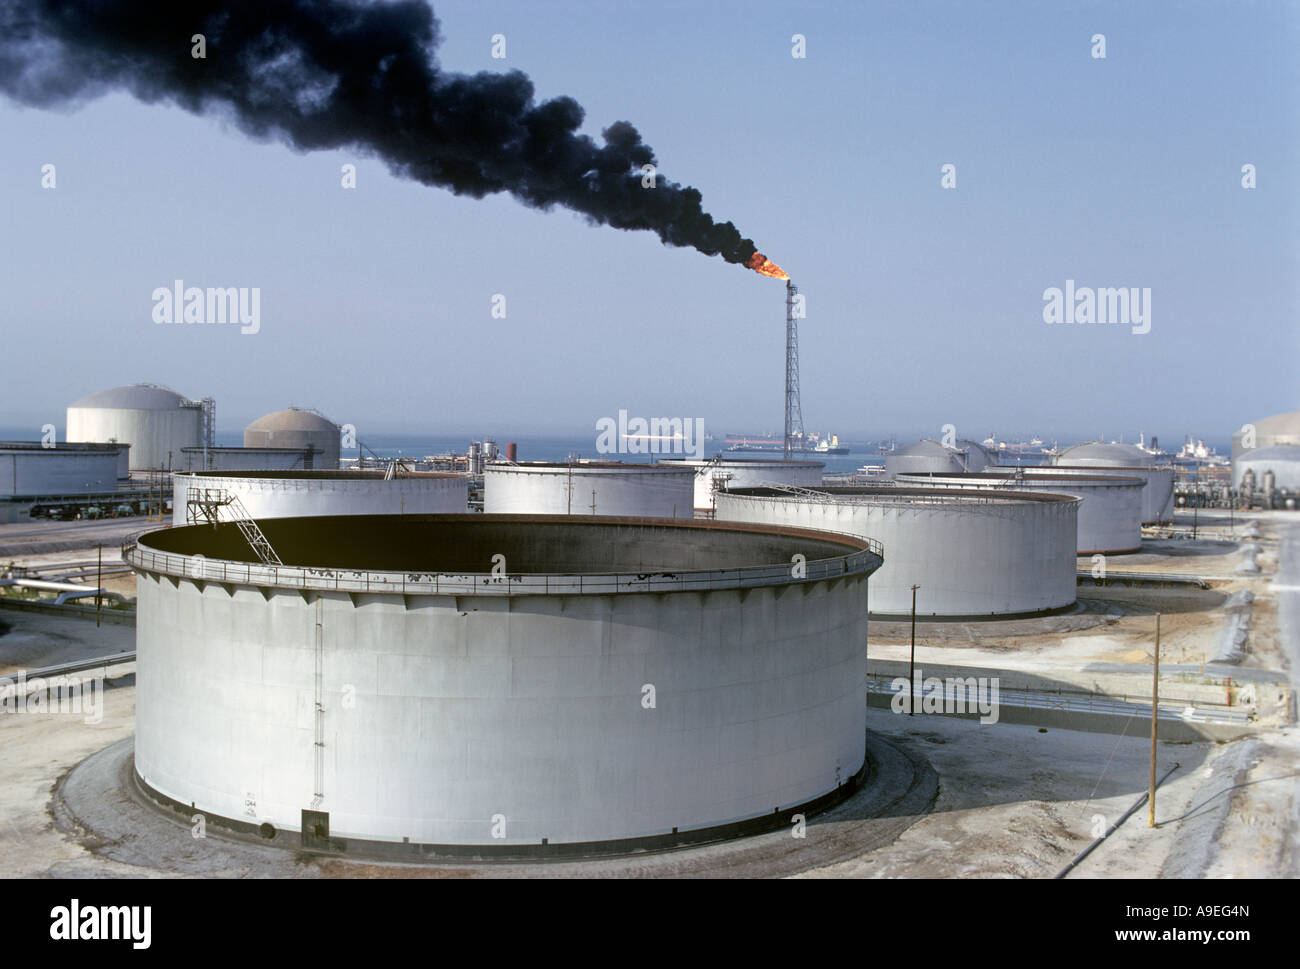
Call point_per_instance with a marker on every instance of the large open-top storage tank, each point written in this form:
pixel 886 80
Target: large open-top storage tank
pixel 500 684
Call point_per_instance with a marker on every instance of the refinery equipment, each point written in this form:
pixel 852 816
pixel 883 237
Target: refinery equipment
pixel 476 684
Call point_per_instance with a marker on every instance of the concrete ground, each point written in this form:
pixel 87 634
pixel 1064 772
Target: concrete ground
pixel 1009 800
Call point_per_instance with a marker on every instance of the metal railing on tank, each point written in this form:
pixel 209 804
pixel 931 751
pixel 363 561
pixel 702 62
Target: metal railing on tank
pixel 485 583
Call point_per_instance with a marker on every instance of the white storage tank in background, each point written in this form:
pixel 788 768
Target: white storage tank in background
pixel 155 421
pixel 1110 517
pixel 722 472
pixel 620 489
pixel 1157 496
pixel 1281 459
pixel 973 553
pixel 249 459
pixel 289 494
pixel 299 429
pixel 1099 454
pixel 1280 430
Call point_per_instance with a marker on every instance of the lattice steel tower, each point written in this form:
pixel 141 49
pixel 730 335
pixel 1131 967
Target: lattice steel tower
pixel 794 436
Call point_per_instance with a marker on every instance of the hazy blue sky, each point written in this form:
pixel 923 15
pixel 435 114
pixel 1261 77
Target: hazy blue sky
pixel 924 304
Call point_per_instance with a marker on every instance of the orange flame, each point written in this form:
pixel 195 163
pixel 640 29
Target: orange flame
pixel 766 267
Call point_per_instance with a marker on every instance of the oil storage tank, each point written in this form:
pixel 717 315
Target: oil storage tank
pixel 1280 430
pixel 286 494
pixel 622 489
pixel 1110 515
pixel 619 683
pixel 299 429
pixel 723 472
pixel 935 457
pixel 974 553
pixel 1157 495
pixel 156 422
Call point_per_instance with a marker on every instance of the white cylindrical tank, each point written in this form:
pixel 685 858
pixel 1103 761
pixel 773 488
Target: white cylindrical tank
pixel 1099 454
pixel 1157 496
pixel 28 469
pixel 592 488
pixel 155 421
pixel 299 429
pixel 1110 517
pixel 922 457
pixel 973 553
pixel 723 472
pixel 644 683
pixel 1281 460
pixel 288 494
pixel 248 458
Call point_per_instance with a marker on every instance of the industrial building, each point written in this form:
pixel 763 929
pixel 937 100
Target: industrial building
pixel 298 429
pixel 1110 515
pixel 1280 430
pixel 157 422
pixel 621 489
pixel 926 456
pixel 288 494
pixel 719 472
pixel 32 473
pixel 490 684
pixel 973 553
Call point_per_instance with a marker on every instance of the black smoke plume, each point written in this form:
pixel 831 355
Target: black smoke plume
pixel 327 74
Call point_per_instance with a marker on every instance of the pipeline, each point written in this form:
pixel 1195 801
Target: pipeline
pixel 1112 829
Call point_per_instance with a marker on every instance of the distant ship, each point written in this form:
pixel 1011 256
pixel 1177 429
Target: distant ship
pixel 767 445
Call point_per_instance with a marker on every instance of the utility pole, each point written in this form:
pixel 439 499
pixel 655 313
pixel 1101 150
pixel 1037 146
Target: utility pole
pixel 911 668
pixel 1155 705
pixel 99 584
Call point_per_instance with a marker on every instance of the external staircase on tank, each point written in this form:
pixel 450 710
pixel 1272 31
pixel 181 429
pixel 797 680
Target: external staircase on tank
pixel 203 506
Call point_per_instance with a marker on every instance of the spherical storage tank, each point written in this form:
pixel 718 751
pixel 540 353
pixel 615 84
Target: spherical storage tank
pixel 971 552
pixel 632 682
pixel 297 428
pixel 1110 515
pixel 287 494
pixel 591 488
pixel 710 475
pixel 155 421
